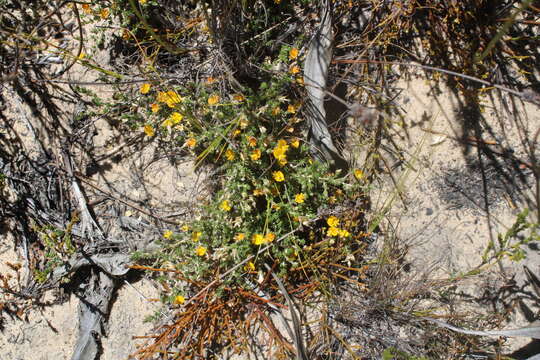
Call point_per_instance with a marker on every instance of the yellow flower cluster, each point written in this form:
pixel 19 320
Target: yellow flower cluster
pixel 196 235
pixel 359 174
pixel 155 108
pixel 239 237
pixel 149 130
pixel 173 119
pixel 200 250
pixel 171 98
pixel 213 99
pixel 278 176
pixel 333 230
pixel 191 142
pixel 87 9
pixel 145 88
pixel 295 69
pixel 250 266
pixel 259 239
pixel 104 13
pixel 255 155
pixel 293 53
pixel 280 152
pixel 225 205
pixel 229 154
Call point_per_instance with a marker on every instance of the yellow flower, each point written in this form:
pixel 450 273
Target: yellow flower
pixel 176 117
pixel 196 235
pixel 179 300
pixel 236 132
pixel 295 69
pixel 249 266
pixel 258 192
pixel 333 231
pixel 293 53
pixel 168 234
pixel 332 221
pixel 278 176
pixel 239 237
pixel 282 144
pixel 210 80
pixel 104 13
pixel 125 33
pixel 277 1
pixel 229 154
pixel 142 1
pixel 191 142
pixel 300 81
pixel 279 153
pixel 154 108
pixel 252 141
pixel 145 88
pixel 185 227
pixel 238 97
pixel 299 198
pixel 269 237
pixel 162 96
pixel 86 8
pixel 171 98
pixel 167 122
pixel 344 233
pixel 291 109
pixel 213 100
pixel 257 239
pixel 255 155
pixel 225 205
pixel 200 250
pixel 149 130
pixel 276 111
pixel 280 150
pixel 359 174
pixel 282 161
pixel 295 143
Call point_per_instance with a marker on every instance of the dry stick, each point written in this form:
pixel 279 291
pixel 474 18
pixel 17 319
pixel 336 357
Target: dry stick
pixel 432 68
pixel 301 352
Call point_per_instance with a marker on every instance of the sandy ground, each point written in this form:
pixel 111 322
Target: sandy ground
pixel 442 210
